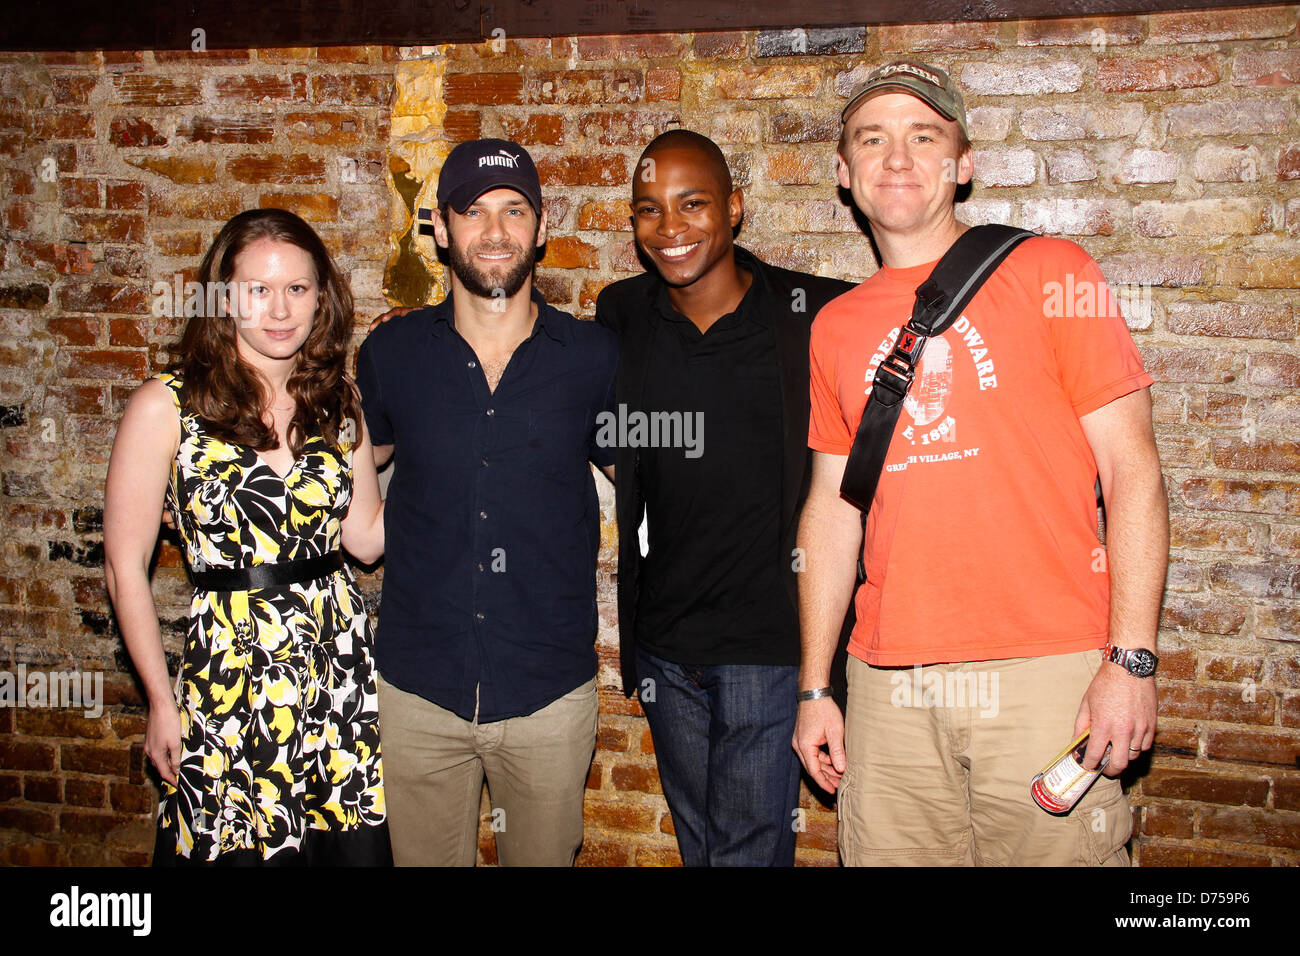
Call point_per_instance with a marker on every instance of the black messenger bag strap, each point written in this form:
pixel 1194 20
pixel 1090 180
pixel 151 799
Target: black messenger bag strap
pixel 939 300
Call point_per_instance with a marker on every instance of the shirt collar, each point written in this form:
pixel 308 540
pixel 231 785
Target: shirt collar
pixel 753 305
pixel 547 318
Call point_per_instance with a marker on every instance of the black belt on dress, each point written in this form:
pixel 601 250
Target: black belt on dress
pixel 268 575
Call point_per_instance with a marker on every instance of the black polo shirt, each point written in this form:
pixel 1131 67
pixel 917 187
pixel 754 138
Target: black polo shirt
pixel 712 589
pixel 492 523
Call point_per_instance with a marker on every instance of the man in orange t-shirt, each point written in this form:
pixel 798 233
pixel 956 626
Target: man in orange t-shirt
pixel 993 626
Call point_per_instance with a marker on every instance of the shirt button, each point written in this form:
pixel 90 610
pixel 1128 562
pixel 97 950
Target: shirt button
pixel 473 365
pixel 480 566
pixel 491 411
pixel 479 615
pixel 483 515
pixel 484 462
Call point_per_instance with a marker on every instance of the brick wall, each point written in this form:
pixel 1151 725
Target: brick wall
pixel 1167 145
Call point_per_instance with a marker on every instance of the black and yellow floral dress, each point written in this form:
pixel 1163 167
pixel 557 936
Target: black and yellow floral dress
pixel 280 760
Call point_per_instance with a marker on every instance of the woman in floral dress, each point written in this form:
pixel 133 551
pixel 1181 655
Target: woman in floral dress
pixel 255 441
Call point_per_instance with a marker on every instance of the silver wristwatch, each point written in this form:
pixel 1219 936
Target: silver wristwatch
pixel 1139 662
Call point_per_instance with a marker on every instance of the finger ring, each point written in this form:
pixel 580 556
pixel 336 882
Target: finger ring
pixel 1135 750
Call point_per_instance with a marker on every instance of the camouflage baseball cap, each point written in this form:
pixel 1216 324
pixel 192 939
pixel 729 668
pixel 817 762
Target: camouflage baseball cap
pixel 927 83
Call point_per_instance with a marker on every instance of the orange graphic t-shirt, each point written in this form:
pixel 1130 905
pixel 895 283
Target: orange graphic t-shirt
pixel 981 541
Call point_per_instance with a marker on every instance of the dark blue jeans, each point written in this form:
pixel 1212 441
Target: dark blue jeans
pixel 722 739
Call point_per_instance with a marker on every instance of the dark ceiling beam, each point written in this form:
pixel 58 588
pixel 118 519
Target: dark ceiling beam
pixel 243 24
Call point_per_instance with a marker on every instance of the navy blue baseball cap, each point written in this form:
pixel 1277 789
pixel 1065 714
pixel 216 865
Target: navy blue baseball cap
pixel 475 167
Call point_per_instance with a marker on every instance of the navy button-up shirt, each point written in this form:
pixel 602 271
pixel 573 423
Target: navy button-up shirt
pixel 492 523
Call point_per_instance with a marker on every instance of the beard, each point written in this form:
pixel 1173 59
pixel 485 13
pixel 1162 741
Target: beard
pixel 492 284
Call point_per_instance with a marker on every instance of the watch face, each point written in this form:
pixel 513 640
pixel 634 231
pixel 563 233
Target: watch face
pixel 1142 663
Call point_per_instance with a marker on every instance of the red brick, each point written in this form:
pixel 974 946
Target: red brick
pixel 64 124
pixel 52 722
pixel 625 47
pixel 1028 79
pixel 1248 746
pixel 355 89
pixel 204 204
pixel 324 129
pixel 1222 163
pixel 1177 663
pixel 141 89
pixel 38 788
pixel 64 258
pixel 75 331
pixel 123 194
pixel 1073 217
pixel 131 333
pixel 594 775
pixel 611 738
pixel 1169 821
pixel 259 168
pixel 663 86
pixel 1259 271
pixel 1212 702
pixel 1238 216
pixel 623 258
pixel 261 88
pixel 1202 787
pixel 134 131
pixel 187 243
pixel 539 129
pixel 79 192
pixel 1286 793
pixel 1258 455
pixel 128 798
pixel 606 216
pixel 993 167
pixel 11 787
pixel 1159 854
pixel 1288 162
pixel 238 128
pixel 101 297
pixel 115 366
pixel 602 853
pixel 346 54
pixel 925 37
pixel 791 167
pixel 554 288
pixel 1266 68
pixel 1097 32
pixel 22 755
pixel 609 169
pixel 1228 118
pixel 462 125
pixel 1263 497
pixel 720 45
pixel 1125 75
pixel 1071 166
pixel 1173 364
pixel 179 169
pixel 483 88
pixel 29 821
pixel 657 856
pixel 1278 369
pixel 781 81
pixel 1205 616
pixel 314 207
pixel 622 816
pixel 1277 623
pixel 1212 26
pixel 567 87
pixel 84 793
pixel 1183 451
pixel 1244 825
pixel 73 89
pixel 643 779
pixel 1231 319
pixel 804 127
pixel 622 128
pixel 1233 669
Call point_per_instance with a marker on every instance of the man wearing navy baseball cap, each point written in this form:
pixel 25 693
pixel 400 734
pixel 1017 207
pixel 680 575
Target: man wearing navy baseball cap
pixel 488 402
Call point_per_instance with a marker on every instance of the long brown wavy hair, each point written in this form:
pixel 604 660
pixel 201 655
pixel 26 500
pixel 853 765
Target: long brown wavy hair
pixel 228 392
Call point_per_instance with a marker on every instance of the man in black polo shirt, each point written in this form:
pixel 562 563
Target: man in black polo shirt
pixel 707 620
pixel 488 619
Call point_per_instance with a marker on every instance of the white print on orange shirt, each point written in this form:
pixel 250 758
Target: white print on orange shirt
pixel 927 399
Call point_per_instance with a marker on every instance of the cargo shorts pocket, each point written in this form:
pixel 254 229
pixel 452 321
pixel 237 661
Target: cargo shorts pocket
pixel 1106 826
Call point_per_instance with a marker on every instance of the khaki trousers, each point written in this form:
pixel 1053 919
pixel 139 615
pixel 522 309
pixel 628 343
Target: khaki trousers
pixel 536 768
pixel 940 760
